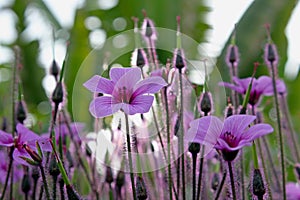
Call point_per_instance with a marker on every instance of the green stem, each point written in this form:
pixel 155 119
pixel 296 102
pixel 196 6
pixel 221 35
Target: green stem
pixel 279 131
pixel 231 180
pixel 130 157
pixel 8 173
pixel 45 182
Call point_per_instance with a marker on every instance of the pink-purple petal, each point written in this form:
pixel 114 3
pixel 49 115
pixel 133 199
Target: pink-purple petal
pixel 140 104
pixel 234 87
pixel 21 152
pixel 149 85
pixel 99 84
pixel 205 130
pixel 236 124
pixel 116 73
pixel 256 131
pixel 6 139
pixel 101 107
pixel 128 81
pixel 25 135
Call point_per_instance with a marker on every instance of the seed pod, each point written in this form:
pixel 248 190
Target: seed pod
pixel 109 175
pixel 232 56
pixel 35 174
pixel 53 168
pixel 26 186
pixel 20 112
pixel 120 180
pixel 194 148
pixel 58 93
pixel 205 103
pixel 54 69
pixel 179 59
pixel 270 54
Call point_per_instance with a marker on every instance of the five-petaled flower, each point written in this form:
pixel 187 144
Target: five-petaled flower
pixel 261 86
pixel 124 91
pixel 228 137
pixel 26 139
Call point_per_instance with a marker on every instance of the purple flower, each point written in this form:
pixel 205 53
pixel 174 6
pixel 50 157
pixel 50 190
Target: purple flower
pixel 293 191
pixel 124 91
pixel 25 137
pixel 18 172
pixel 227 137
pixel 261 86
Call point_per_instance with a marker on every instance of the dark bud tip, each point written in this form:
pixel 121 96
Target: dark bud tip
pixel 4 124
pixel 179 62
pixel 54 69
pixel 177 126
pixel 229 155
pixel 194 148
pixel 26 186
pixel 120 180
pixel 141 191
pixel 205 103
pixel 20 112
pixel 140 62
pixel 53 168
pixel 215 181
pixel 88 150
pixel 271 53
pixel 232 55
pixel 58 94
pixel 72 194
pixel 149 31
pixel 258 184
pixel 109 175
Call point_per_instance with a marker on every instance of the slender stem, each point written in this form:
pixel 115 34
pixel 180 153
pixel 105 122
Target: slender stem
pixel 235 98
pixel 45 182
pixel 231 180
pixel 8 173
pixel 279 131
pixel 61 189
pixel 242 173
pixel 194 157
pixel 11 184
pixel 54 187
pixel 200 175
pixel 181 134
pixel 34 189
pixel 221 185
pixel 130 157
pixel 41 193
pixel 168 143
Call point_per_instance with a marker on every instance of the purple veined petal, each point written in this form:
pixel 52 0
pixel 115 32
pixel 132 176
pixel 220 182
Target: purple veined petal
pixel 205 130
pixel 101 107
pixel 236 88
pixel 128 81
pixel 6 139
pixel 268 91
pixel 44 143
pixel 25 134
pixel 116 73
pixel 256 131
pixel 99 84
pixel 21 152
pixel 223 145
pixel 264 86
pixel 149 85
pixel 244 83
pixel 280 86
pixel 236 124
pixel 140 104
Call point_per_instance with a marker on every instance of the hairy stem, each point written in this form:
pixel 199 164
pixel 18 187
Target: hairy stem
pixel 45 182
pixel 221 185
pixel 231 180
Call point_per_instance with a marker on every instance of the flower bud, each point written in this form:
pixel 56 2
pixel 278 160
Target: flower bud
pixel 72 194
pixel 26 186
pixel 232 57
pixel 53 168
pixel 58 93
pixel 205 103
pixel 34 155
pixel 194 148
pixel 54 69
pixel 139 58
pixel 178 59
pixel 148 29
pixel 120 180
pixel 271 55
pixel 20 112
pixel 258 184
pixel 109 175
pixel 141 191
pixel 35 174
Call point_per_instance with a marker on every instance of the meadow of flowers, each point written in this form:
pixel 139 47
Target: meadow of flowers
pixel 155 134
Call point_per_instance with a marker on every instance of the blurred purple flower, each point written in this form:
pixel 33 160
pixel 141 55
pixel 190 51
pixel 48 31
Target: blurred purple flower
pixel 292 191
pixel 63 129
pixel 25 137
pixel 125 91
pixel 228 137
pixel 18 172
pixel 261 86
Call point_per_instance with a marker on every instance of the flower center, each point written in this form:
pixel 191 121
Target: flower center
pixel 123 94
pixel 230 139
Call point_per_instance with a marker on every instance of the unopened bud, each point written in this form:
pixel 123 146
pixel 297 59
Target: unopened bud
pixel 26 186
pixel 179 59
pixel 35 174
pixel 53 168
pixel 21 112
pixel 54 69
pixel 109 175
pixel 205 103
pixel 141 191
pixel 34 155
pixel 58 93
pixel 271 55
pixel 258 184
pixel 120 180
pixel 194 148
pixel 232 57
